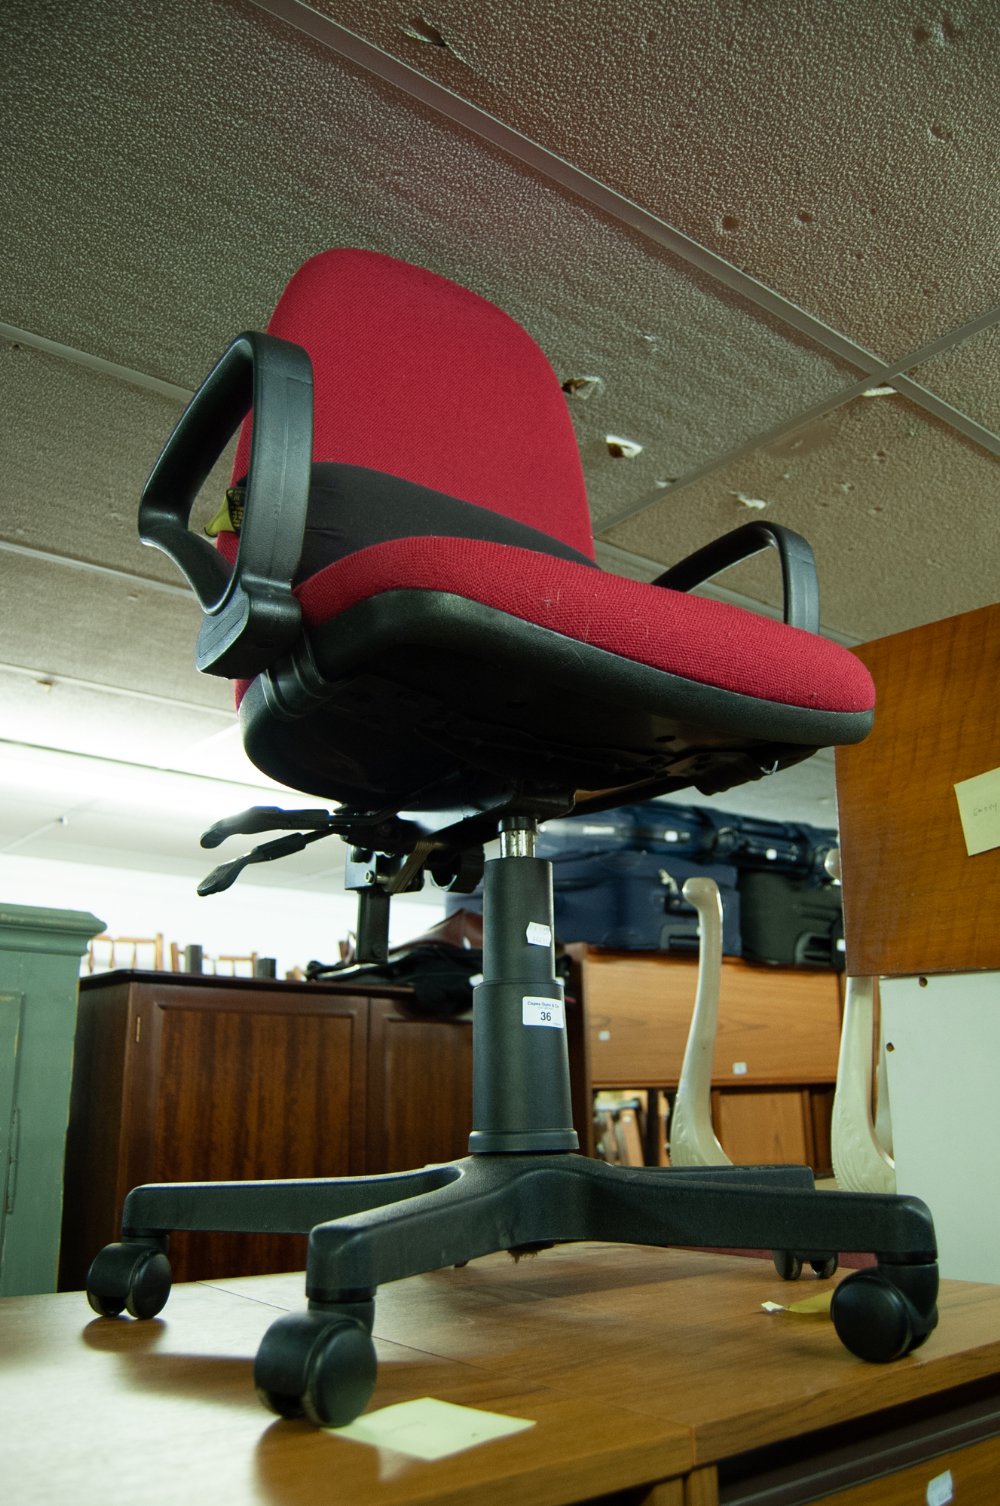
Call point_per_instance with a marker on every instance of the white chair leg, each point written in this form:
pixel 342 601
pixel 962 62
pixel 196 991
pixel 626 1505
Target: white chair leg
pixel 883 1113
pixel 692 1138
pixel 860 1161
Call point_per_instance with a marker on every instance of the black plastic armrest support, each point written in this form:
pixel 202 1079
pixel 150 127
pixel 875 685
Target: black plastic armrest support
pixel 250 613
pixel 798 567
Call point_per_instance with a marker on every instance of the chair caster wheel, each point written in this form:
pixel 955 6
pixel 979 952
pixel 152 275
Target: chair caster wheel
pixel 133 1277
pixel 789 1265
pixel 317 1364
pixel 879 1321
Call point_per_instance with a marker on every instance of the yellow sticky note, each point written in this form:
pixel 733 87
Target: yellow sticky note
pixel 979 808
pixel 430 1429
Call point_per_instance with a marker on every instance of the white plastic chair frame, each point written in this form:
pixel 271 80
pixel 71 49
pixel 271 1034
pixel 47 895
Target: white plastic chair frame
pixel 692 1139
pixel 861 1143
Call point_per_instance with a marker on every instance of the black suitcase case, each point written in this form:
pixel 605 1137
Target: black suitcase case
pixel 791 921
pixel 781 846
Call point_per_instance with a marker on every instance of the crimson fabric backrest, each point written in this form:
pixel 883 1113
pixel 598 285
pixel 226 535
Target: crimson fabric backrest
pixel 422 379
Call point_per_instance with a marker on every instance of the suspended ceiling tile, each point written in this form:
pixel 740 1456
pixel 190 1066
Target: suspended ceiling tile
pixel 123 848
pixel 968 377
pixel 57 620
pixel 687 370
pixel 168 845
pixel 77 448
pixel 900 512
pixel 686 374
pixel 844 154
pixel 105 831
pixel 162 277
pixel 48 712
pixel 22 818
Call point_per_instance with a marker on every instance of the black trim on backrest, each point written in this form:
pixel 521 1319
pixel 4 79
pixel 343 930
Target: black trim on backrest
pixel 351 507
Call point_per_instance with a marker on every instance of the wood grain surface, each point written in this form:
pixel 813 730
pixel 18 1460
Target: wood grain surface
pixel 776 1025
pixel 636 1365
pixel 914 901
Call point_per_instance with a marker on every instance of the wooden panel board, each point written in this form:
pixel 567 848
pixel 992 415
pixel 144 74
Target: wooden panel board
pixel 671 1334
pixel 961 1475
pixel 419 1089
pixel 760 1128
pixel 776 1025
pixel 166 1412
pixel 914 901
pixel 248 1093
pixel 634 1364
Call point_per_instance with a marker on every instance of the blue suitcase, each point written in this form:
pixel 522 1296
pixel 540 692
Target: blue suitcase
pixel 632 901
pixel 654 826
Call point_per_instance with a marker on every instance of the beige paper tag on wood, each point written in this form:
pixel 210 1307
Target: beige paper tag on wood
pixel 979 809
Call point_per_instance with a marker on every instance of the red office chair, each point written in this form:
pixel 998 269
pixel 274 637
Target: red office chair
pixel 418 630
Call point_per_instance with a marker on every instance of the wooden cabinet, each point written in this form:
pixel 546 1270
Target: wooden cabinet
pixel 199 1079
pixel 969 1473
pixel 776 1049
pixel 40 952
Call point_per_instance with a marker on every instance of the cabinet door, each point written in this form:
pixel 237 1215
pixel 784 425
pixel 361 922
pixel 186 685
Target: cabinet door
pixel 249 1086
pixel 419 1088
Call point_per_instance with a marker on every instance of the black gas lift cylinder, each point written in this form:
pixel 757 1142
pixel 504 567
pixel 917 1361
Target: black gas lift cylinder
pixel 521 1086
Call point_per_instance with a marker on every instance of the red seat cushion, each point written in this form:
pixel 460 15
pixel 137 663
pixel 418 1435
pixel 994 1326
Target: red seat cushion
pixel 419 378
pixel 708 642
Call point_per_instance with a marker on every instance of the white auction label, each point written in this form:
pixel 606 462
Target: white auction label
pixel 538 934
pixel 940 1490
pixel 537 1011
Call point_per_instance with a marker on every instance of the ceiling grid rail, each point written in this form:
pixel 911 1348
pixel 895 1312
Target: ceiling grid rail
pixel 126 374
pixel 626 212
pixel 889 377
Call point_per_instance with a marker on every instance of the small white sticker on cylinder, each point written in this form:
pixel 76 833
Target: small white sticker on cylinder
pixel 538 934
pixel 545 1012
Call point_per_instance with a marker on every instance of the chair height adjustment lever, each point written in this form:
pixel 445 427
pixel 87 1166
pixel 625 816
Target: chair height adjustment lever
pixel 227 873
pixel 264 818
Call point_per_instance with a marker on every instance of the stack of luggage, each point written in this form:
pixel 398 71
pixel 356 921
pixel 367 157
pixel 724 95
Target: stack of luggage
pixel 618 879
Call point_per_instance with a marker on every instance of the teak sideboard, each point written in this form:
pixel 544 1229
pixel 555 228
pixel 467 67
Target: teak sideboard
pixel 186 1078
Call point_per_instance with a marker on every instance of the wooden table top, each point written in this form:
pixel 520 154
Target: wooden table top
pixel 635 1364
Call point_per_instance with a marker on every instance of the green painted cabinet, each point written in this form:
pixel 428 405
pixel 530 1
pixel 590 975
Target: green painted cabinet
pixel 40 953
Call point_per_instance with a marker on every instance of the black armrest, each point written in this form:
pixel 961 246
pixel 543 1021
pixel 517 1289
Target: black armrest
pixel 798 567
pixel 251 615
